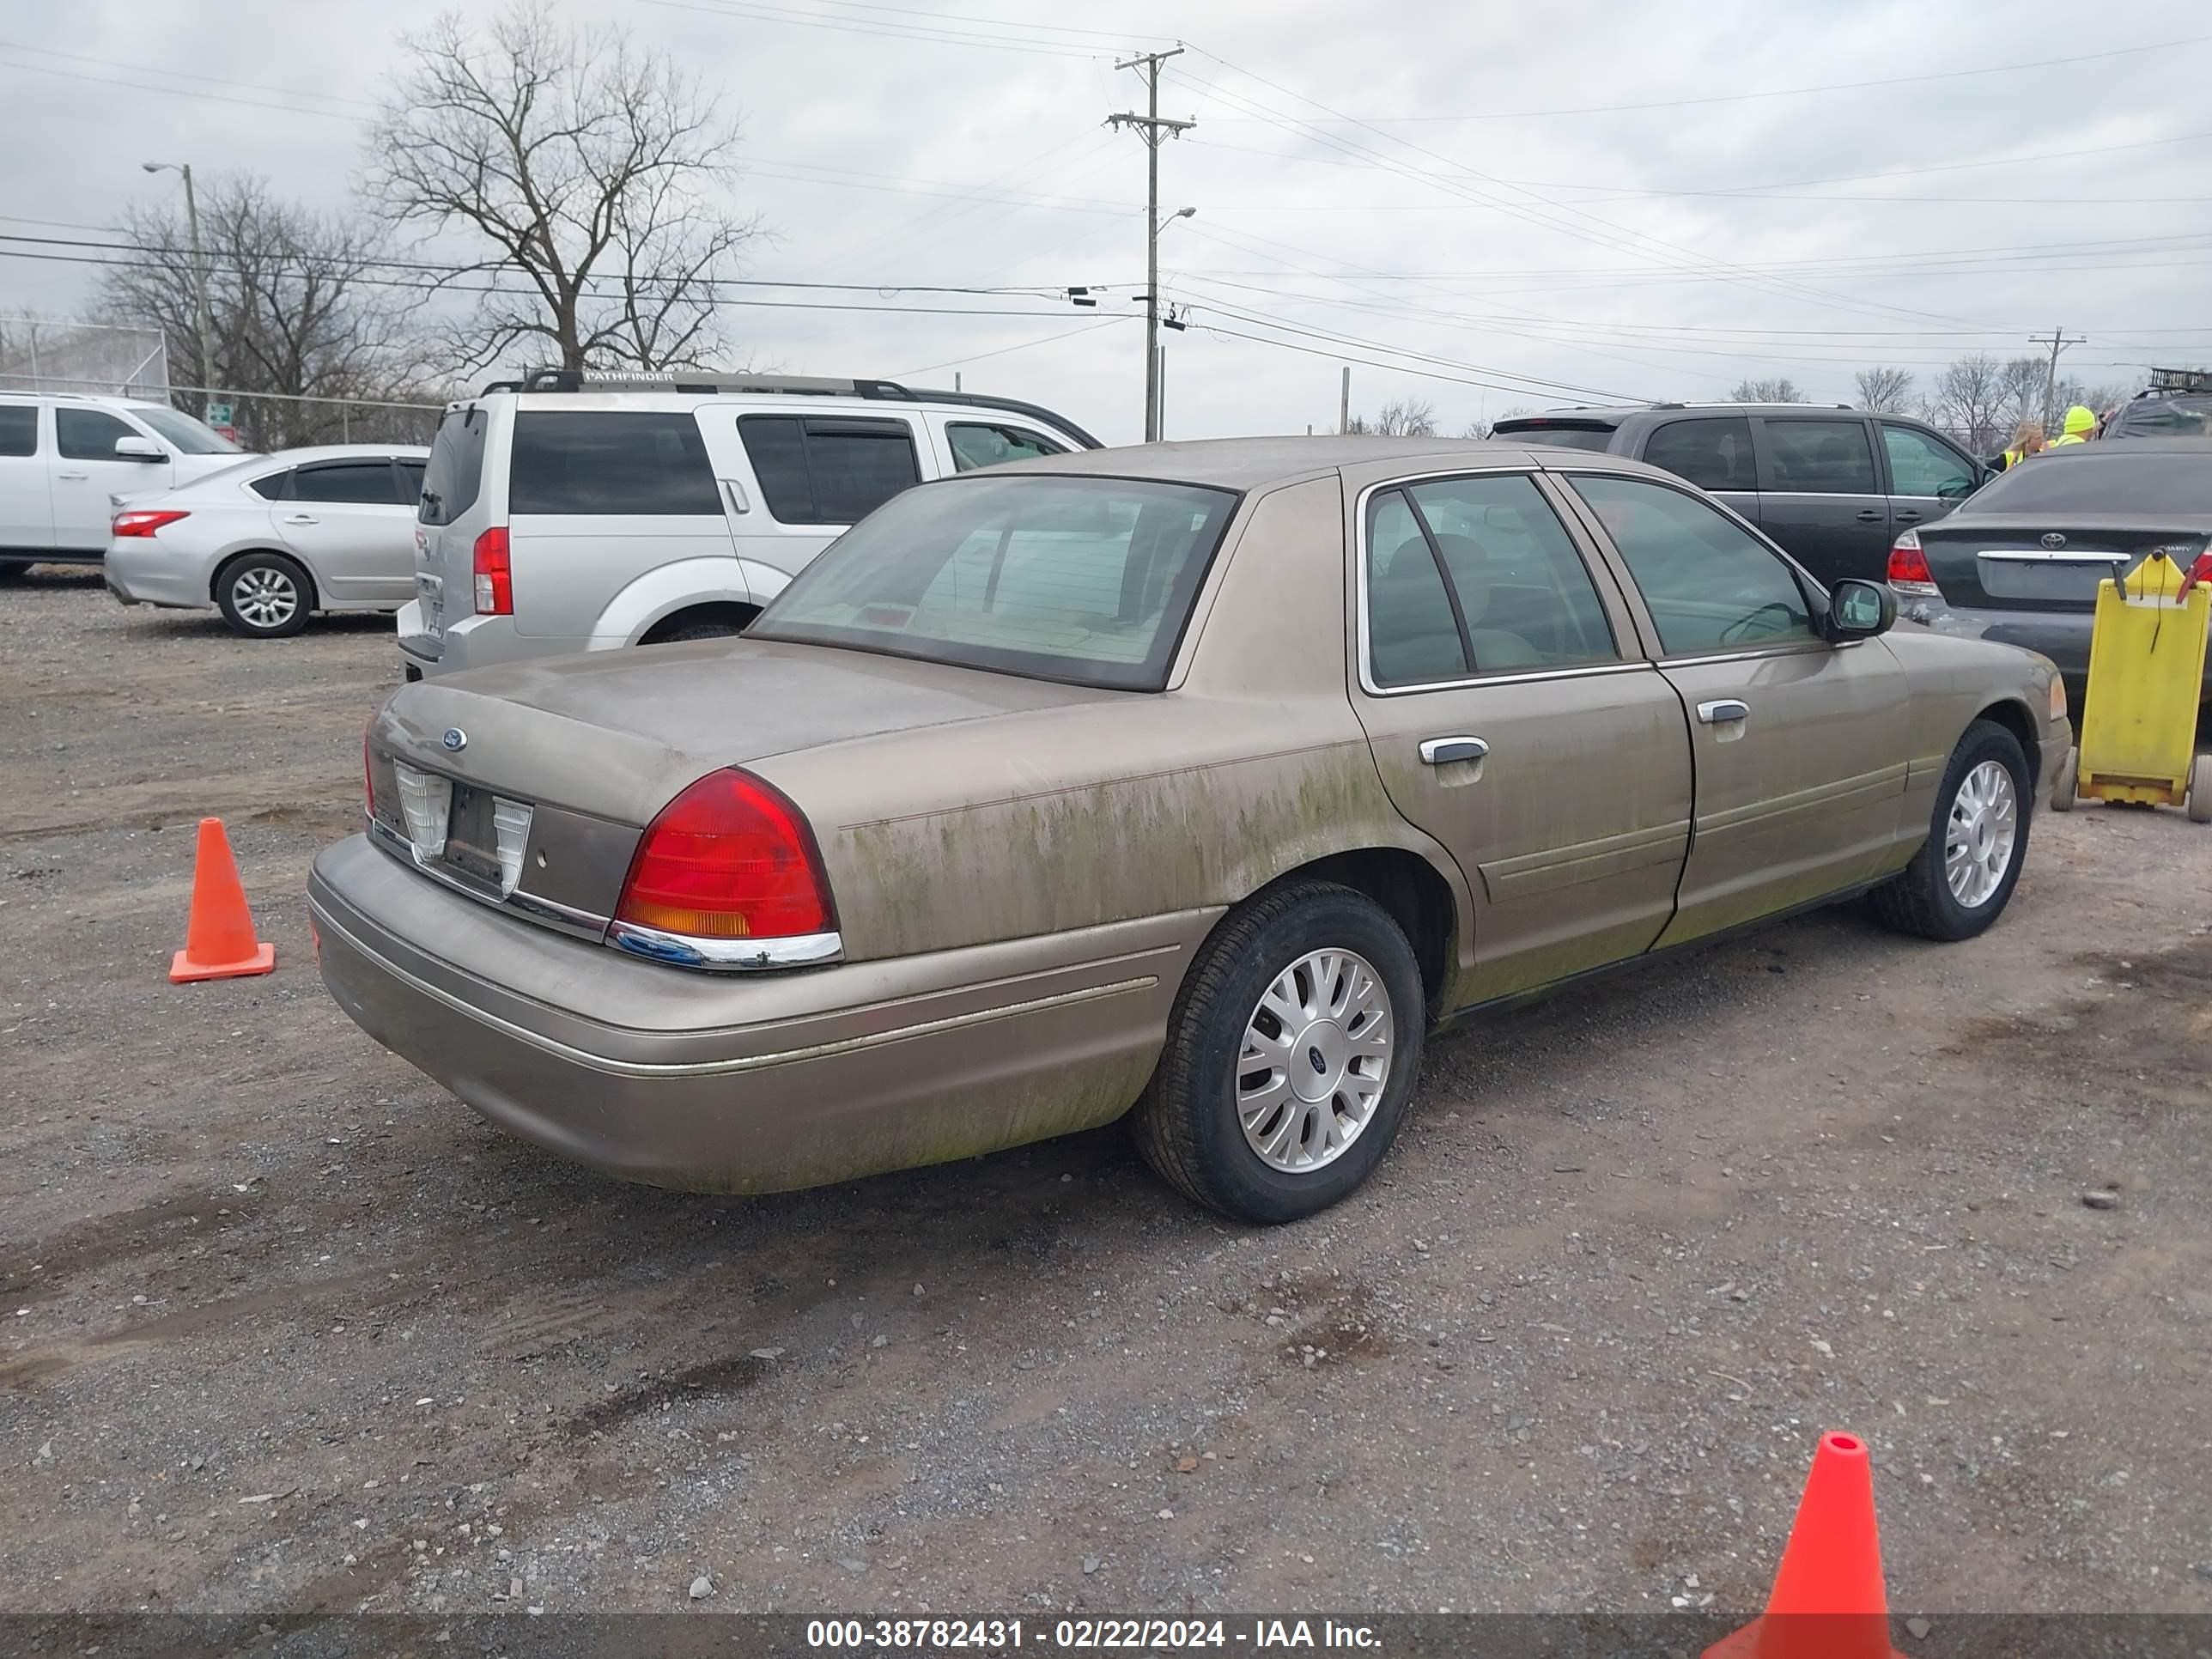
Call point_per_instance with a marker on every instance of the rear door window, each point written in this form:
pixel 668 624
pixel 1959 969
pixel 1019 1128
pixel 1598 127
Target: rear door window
pixel 1712 453
pixel 19 429
pixel 1820 457
pixel 410 481
pixel 825 469
pixel 361 483
pixel 455 475
pixel 611 463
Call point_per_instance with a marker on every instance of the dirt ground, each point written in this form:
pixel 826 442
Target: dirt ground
pixel 283 1326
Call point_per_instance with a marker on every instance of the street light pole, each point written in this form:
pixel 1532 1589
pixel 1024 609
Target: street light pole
pixel 1150 128
pixel 199 270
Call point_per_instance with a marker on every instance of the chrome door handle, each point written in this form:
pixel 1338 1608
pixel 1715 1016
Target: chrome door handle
pixel 303 518
pixel 71 475
pixel 735 491
pixel 1442 751
pixel 1722 710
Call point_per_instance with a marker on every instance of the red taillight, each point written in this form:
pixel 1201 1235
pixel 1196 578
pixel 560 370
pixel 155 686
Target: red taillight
pixel 1908 566
pixel 494 575
pixel 729 858
pixel 144 523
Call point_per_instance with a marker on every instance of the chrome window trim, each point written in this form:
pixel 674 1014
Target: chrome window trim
pixel 651 944
pixel 1617 665
pixel 1790 649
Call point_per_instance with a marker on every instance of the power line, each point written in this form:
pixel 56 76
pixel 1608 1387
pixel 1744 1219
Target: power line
pixel 1783 92
pixel 1043 339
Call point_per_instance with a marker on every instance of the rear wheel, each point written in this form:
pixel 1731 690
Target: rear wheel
pixel 13 571
pixel 264 596
pixel 1962 877
pixel 2200 790
pixel 1291 1055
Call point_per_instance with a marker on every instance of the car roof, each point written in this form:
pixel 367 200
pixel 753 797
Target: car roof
pixel 1619 413
pixel 1246 464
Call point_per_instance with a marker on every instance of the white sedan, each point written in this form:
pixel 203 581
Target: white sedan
pixel 272 539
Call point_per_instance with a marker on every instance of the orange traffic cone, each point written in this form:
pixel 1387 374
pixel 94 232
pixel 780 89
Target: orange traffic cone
pixel 219 942
pixel 1828 1601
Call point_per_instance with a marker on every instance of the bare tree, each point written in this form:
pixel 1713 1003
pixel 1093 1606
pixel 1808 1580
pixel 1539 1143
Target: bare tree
pixel 1974 397
pixel 1884 391
pixel 297 305
pixel 1781 390
pixel 586 166
pixel 1406 417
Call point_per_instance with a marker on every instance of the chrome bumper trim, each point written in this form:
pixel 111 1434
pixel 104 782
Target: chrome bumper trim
pixel 726 955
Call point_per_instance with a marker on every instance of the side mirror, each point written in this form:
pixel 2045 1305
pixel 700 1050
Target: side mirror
pixel 139 449
pixel 1859 610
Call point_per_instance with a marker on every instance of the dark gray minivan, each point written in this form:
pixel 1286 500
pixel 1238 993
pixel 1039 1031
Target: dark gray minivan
pixel 1832 484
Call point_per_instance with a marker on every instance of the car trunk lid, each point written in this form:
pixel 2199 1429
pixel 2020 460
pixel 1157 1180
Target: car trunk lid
pixel 588 748
pixel 2036 561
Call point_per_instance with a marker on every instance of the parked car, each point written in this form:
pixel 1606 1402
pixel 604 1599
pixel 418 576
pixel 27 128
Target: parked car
pixel 582 514
pixel 2178 403
pixel 1202 777
pixel 1831 486
pixel 268 541
pixel 62 457
pixel 2021 561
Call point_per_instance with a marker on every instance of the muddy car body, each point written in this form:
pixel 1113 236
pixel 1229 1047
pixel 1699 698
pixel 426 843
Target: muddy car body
pixel 1267 739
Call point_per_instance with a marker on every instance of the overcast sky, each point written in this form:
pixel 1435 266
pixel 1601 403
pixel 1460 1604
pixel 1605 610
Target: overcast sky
pixel 1465 184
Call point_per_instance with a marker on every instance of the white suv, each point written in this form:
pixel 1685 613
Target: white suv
pixel 62 459
pixel 577 511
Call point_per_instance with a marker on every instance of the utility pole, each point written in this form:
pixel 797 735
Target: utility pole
pixel 1150 127
pixel 199 270
pixel 1343 404
pixel 1160 392
pixel 2058 342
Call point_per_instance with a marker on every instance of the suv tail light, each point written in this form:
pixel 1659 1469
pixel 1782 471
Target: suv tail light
pixel 495 574
pixel 1908 567
pixel 730 858
pixel 144 523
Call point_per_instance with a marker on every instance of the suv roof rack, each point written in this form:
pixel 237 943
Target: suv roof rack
pixel 2177 379
pixel 713 383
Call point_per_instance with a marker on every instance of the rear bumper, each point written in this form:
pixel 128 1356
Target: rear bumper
pixel 471 642
pixel 2062 636
pixel 141 571
pixel 740 1084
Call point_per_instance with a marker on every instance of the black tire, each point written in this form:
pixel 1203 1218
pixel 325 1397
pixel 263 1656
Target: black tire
pixel 1187 1124
pixel 250 592
pixel 1919 901
pixel 12 570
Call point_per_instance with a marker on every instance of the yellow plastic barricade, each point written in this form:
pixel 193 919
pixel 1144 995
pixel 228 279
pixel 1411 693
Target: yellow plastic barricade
pixel 2146 677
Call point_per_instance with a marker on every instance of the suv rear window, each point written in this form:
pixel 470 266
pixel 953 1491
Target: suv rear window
pixel 455 475
pixel 1088 580
pixel 1597 439
pixel 630 462
pixel 827 469
pixel 2165 417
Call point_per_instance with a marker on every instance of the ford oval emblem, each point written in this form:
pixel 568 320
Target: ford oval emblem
pixel 455 740
pixel 2051 539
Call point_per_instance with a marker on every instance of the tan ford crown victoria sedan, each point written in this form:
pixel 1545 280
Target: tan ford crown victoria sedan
pixel 1202 779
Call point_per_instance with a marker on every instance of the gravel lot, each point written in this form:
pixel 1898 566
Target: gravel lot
pixel 283 1326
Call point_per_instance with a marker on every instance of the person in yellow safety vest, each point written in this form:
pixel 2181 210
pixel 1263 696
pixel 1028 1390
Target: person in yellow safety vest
pixel 2026 441
pixel 2081 426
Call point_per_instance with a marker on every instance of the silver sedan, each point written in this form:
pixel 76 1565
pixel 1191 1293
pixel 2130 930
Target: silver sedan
pixel 275 538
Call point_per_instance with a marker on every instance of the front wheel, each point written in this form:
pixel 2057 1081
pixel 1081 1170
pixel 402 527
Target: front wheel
pixel 1963 875
pixel 264 596
pixel 1291 1055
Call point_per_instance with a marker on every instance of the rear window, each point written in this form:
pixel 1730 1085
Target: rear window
pixel 610 464
pixel 2165 417
pixel 1712 452
pixel 1088 580
pixel 360 482
pixel 2108 482
pixel 1597 439
pixel 455 475
pixel 19 429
